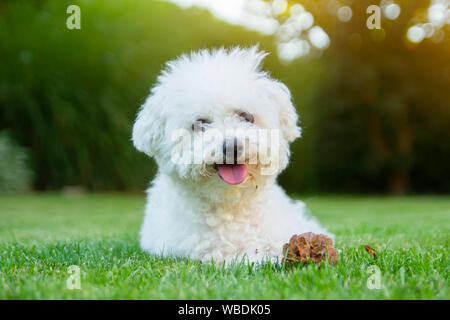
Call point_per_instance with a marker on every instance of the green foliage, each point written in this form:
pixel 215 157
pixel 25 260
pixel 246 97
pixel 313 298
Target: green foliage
pixel 14 172
pixel 71 95
pixel 99 234
pixel 382 116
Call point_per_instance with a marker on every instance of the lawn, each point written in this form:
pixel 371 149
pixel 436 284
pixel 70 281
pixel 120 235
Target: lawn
pixel 41 235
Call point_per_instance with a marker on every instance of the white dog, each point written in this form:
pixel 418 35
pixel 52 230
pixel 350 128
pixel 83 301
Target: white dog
pixel 207 209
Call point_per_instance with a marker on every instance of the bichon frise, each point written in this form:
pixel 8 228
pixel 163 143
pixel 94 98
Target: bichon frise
pixel 219 129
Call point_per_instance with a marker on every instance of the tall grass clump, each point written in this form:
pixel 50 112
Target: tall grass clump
pixel 15 175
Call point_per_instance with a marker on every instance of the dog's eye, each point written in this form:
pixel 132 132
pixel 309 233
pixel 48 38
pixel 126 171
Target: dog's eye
pixel 246 116
pixel 200 124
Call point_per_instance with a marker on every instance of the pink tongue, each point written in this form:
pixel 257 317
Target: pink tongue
pixel 233 173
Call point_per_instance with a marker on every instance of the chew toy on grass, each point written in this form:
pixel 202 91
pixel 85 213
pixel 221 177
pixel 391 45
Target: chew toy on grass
pixel 309 247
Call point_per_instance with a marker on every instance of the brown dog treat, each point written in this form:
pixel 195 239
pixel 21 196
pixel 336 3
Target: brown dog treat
pixel 291 250
pixel 314 247
pixel 332 256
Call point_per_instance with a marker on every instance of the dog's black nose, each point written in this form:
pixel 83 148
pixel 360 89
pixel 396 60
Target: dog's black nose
pixel 232 149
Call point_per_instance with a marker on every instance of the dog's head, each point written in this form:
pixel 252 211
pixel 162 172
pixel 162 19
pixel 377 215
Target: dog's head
pixel 215 116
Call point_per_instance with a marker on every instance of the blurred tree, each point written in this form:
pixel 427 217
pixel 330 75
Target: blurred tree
pixel 382 110
pixel 71 96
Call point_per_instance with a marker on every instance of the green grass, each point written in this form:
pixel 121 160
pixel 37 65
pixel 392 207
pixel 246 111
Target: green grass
pixel 42 235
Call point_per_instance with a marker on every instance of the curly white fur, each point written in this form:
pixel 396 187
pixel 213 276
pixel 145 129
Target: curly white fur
pixel 190 210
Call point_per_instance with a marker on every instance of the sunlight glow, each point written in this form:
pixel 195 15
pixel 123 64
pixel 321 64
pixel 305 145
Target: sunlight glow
pixel 344 13
pixel 279 6
pixel 293 49
pixel 438 15
pixel 262 16
pixel 318 37
pixel 392 11
pixel 415 34
pixel 230 10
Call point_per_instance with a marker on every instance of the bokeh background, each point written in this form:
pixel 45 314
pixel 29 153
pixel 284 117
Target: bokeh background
pixel 374 104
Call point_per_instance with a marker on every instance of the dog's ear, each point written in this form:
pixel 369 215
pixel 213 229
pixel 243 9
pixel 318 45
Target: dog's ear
pixel 148 129
pixel 287 114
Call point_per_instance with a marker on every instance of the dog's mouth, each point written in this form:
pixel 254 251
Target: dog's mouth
pixel 232 173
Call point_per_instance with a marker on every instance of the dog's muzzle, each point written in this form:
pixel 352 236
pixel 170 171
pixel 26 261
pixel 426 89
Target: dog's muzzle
pixel 231 171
